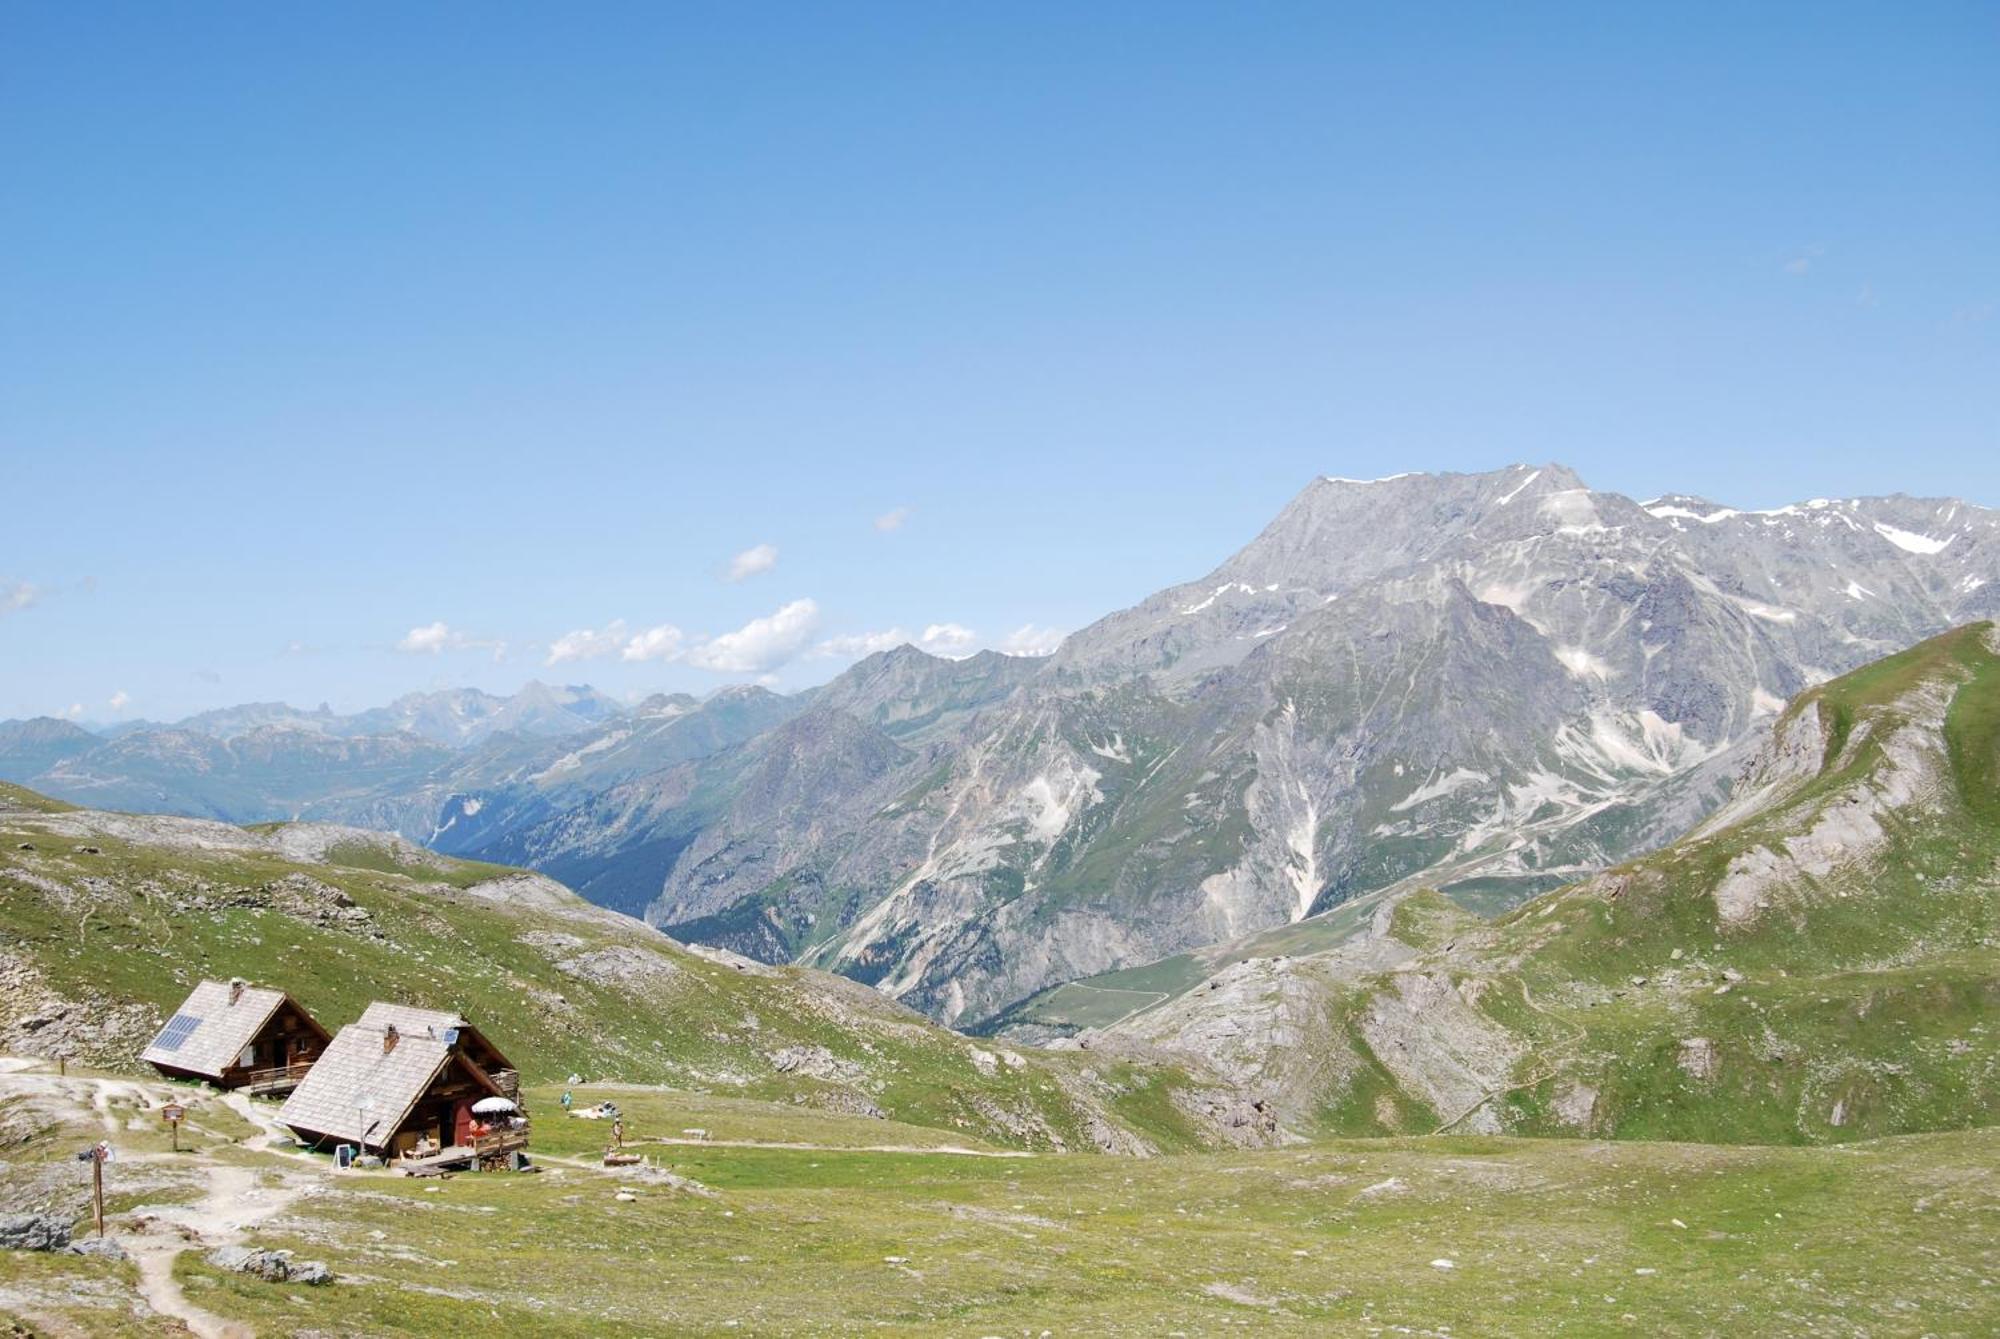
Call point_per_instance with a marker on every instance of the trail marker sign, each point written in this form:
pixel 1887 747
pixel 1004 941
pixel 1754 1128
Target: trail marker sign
pixel 172 1113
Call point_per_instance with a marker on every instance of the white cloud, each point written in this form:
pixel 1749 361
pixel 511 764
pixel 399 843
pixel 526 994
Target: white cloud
pixel 435 638
pixel 429 639
pixel 588 643
pixel 760 645
pixel 17 595
pixel 855 645
pixel 954 641
pixel 660 643
pixel 948 639
pixel 1029 640
pixel 120 700
pixel 1803 261
pixel 74 711
pixel 759 558
pixel 892 519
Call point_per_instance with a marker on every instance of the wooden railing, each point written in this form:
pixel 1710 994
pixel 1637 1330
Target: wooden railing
pixel 278 1076
pixel 499 1141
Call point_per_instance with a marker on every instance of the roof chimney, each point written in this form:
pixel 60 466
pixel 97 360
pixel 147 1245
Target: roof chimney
pixel 389 1038
pixel 236 984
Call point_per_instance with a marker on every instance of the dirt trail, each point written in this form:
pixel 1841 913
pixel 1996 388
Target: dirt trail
pixel 236 1199
pixel 235 1202
pixel 952 1149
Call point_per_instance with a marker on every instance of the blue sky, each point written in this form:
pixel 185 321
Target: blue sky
pixel 322 327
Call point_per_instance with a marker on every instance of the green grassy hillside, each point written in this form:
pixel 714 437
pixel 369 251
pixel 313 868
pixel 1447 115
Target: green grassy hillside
pixel 107 920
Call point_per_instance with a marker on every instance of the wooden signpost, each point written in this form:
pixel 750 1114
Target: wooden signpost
pixel 96 1155
pixel 171 1113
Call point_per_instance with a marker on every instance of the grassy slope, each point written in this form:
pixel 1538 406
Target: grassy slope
pixel 138 923
pixel 1862 1003
pixel 1883 1239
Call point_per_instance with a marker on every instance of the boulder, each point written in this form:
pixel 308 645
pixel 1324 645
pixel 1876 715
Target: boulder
pixel 105 1248
pixel 271 1266
pixel 33 1232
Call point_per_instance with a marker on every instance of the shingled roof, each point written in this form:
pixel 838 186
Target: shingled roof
pixel 408 1019
pixel 412 1021
pixel 358 1092
pixel 209 1030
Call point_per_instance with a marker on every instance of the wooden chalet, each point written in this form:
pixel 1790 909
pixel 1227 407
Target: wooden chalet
pixel 402 1083
pixel 237 1035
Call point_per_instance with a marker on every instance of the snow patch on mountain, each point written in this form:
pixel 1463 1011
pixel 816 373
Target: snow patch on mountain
pixel 1114 751
pixel 1440 787
pixel 1574 511
pixel 1217 594
pixel 1580 662
pixel 1517 489
pixel 1911 542
pixel 572 760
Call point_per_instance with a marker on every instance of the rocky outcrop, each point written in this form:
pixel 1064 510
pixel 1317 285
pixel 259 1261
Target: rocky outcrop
pixel 270 1266
pixel 33 1232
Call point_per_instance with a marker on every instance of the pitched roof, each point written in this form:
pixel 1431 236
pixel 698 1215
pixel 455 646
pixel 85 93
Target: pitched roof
pixel 360 1093
pixel 208 1032
pixel 408 1018
pixel 412 1021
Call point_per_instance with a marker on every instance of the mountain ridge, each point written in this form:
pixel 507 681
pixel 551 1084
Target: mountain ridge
pixel 1502 678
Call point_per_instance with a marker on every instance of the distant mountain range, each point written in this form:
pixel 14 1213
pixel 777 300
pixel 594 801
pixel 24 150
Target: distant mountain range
pixel 456 717
pixel 1491 683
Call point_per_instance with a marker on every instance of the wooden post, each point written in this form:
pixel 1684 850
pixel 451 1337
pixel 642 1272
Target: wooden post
pixel 62 1066
pixel 97 1187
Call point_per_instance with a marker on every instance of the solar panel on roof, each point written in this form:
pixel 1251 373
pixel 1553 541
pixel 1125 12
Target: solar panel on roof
pixel 175 1034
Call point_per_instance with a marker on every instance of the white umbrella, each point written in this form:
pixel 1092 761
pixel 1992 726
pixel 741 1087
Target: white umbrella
pixel 487 1106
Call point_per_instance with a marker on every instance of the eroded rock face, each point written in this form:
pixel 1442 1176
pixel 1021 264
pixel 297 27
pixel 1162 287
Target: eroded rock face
pixel 1258 1027
pixel 1848 828
pixel 622 965
pixel 92 1029
pixel 816 1062
pixel 1575 1105
pixel 842 1102
pixel 1427 1034
pixel 1698 1059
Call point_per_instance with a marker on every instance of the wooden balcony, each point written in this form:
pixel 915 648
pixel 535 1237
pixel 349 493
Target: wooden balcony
pixel 270 1082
